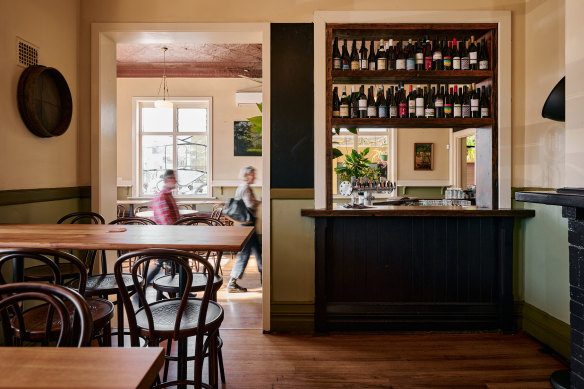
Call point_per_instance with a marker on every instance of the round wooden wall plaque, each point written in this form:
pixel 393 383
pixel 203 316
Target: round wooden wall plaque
pixel 44 101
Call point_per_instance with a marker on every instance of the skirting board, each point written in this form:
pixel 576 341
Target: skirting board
pixel 548 330
pixel 292 317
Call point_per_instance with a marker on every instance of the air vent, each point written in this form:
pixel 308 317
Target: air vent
pixel 27 53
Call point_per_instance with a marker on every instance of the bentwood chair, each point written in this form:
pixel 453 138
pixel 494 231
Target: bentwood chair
pixel 208 221
pixel 175 318
pixel 65 308
pixel 35 317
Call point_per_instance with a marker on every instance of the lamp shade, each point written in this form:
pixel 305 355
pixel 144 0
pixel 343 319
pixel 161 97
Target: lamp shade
pixel 555 105
pixel 162 104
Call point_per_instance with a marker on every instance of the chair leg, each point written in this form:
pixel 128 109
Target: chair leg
pixel 221 370
pixel 120 305
pixel 166 361
pixel 107 335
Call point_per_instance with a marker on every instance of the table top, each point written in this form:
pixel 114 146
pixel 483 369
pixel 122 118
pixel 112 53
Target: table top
pixel 133 202
pixel 134 237
pixel 199 202
pixel 182 212
pixel 86 367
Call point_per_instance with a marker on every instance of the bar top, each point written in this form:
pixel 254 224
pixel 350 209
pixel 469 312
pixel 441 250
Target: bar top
pixel 400 210
pixel 563 197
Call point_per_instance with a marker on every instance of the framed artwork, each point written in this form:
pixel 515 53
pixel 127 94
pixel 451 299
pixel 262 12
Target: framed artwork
pixel 423 156
pixel 246 142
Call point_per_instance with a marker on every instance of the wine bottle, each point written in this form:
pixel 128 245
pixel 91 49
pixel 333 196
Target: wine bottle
pixel 484 104
pixel 437 63
pixel 428 55
pixel 371 107
pixel 455 55
pixel 354 56
pixel 420 103
pixel 412 103
pixel 362 102
pixel 419 56
pixel 381 60
pixel 430 108
pixel 473 54
pixel 464 58
pixel 363 56
pixel 381 104
pixel 456 103
pixel 354 103
pixel 403 103
pixel 400 62
pixel 372 59
pixel 475 111
pixel 411 57
pixel 344 107
pixel 448 104
pixel 447 55
pixel 390 55
pixel 336 103
pixel 465 103
pixel 336 55
pixel 483 57
pixel 345 59
pixel 391 104
pixel 439 102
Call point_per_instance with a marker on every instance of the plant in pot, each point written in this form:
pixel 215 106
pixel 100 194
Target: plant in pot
pixel 356 164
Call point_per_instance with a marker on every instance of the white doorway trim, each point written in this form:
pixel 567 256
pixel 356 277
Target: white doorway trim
pixel 104 37
pixel 502 18
pixel 456 155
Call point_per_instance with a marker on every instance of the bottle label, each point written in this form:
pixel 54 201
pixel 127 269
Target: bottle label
pixel 362 105
pixel 437 56
pixel 382 111
pixel 354 112
pixel 466 111
pixel 336 114
pixel 346 65
pixel 484 112
pixel 429 112
pixel 363 65
pixel 410 64
pixel 457 110
pixel 372 111
pixel 472 57
pixel 447 109
pixel 393 111
pixel 428 63
pixel 371 65
pixel 456 63
pixel 400 64
pixel 391 64
pixel 403 110
pixel 420 108
pixel 354 65
pixel 484 65
pixel 412 106
pixel 381 63
pixel 465 63
pixel 447 62
pixel 474 105
pixel 419 58
pixel 336 63
pixel 344 110
pixel 439 103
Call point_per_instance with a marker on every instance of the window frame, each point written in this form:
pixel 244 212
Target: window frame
pixel 183 102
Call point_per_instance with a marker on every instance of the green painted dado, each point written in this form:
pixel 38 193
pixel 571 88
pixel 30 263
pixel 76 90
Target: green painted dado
pixel 42 212
pixel 425 192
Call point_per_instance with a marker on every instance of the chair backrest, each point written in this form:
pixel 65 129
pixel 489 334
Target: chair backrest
pixel 133 221
pixel 217 212
pixel 49 257
pixel 198 220
pixel 88 256
pixel 120 211
pixel 176 258
pixel 75 329
pixel 140 209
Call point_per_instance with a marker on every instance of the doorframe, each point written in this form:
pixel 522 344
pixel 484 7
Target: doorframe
pixel 104 37
pixel 456 155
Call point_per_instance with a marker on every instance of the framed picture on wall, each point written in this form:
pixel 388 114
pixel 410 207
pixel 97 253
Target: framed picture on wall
pixel 246 141
pixel 423 156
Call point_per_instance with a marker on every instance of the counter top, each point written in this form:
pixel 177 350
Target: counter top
pixel 392 210
pixel 565 197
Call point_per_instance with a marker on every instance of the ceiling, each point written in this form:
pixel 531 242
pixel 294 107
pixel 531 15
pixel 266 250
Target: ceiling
pixel 190 60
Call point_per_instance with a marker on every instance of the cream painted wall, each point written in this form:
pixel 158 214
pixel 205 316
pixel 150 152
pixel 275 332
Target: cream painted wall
pixel 406 138
pixel 225 112
pixel 29 161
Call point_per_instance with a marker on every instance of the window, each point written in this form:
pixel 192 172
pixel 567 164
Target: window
pixel 174 138
pixel 377 139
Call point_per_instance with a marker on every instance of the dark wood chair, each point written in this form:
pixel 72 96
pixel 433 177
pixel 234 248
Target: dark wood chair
pixel 121 211
pixel 217 212
pixel 174 318
pixel 65 309
pixel 140 209
pixel 208 221
pixel 35 317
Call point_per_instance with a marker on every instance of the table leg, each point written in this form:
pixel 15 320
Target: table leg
pixel 131 210
pixel 17 270
pixel 181 373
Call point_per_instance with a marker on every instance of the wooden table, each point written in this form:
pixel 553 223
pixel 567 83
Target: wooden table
pixel 182 212
pixel 200 202
pixel 86 367
pixel 131 203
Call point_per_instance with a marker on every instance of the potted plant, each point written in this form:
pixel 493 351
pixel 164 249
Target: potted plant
pixel 356 164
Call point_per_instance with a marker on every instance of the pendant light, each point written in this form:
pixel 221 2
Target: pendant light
pixel 163 85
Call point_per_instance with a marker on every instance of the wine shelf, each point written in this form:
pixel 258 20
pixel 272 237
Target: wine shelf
pixel 457 123
pixel 410 76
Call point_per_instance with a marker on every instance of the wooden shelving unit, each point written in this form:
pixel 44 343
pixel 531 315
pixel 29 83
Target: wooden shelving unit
pixel 404 32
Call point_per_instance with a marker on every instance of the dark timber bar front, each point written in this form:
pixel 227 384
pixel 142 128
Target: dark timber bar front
pixel 414 268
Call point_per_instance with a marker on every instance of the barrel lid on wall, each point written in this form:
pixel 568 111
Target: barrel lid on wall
pixel 44 101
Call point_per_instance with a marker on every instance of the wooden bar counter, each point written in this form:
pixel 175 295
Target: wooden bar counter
pixel 414 268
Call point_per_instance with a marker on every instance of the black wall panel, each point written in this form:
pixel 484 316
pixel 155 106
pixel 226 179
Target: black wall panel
pixel 292 105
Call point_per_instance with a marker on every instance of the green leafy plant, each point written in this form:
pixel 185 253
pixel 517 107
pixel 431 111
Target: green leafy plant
pixel 256 121
pixel 336 152
pixel 356 164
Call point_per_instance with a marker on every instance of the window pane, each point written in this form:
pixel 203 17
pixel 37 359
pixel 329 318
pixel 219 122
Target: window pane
pixel 157 119
pixel 192 119
pixel 156 158
pixel 378 151
pixel 191 154
pixel 345 144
